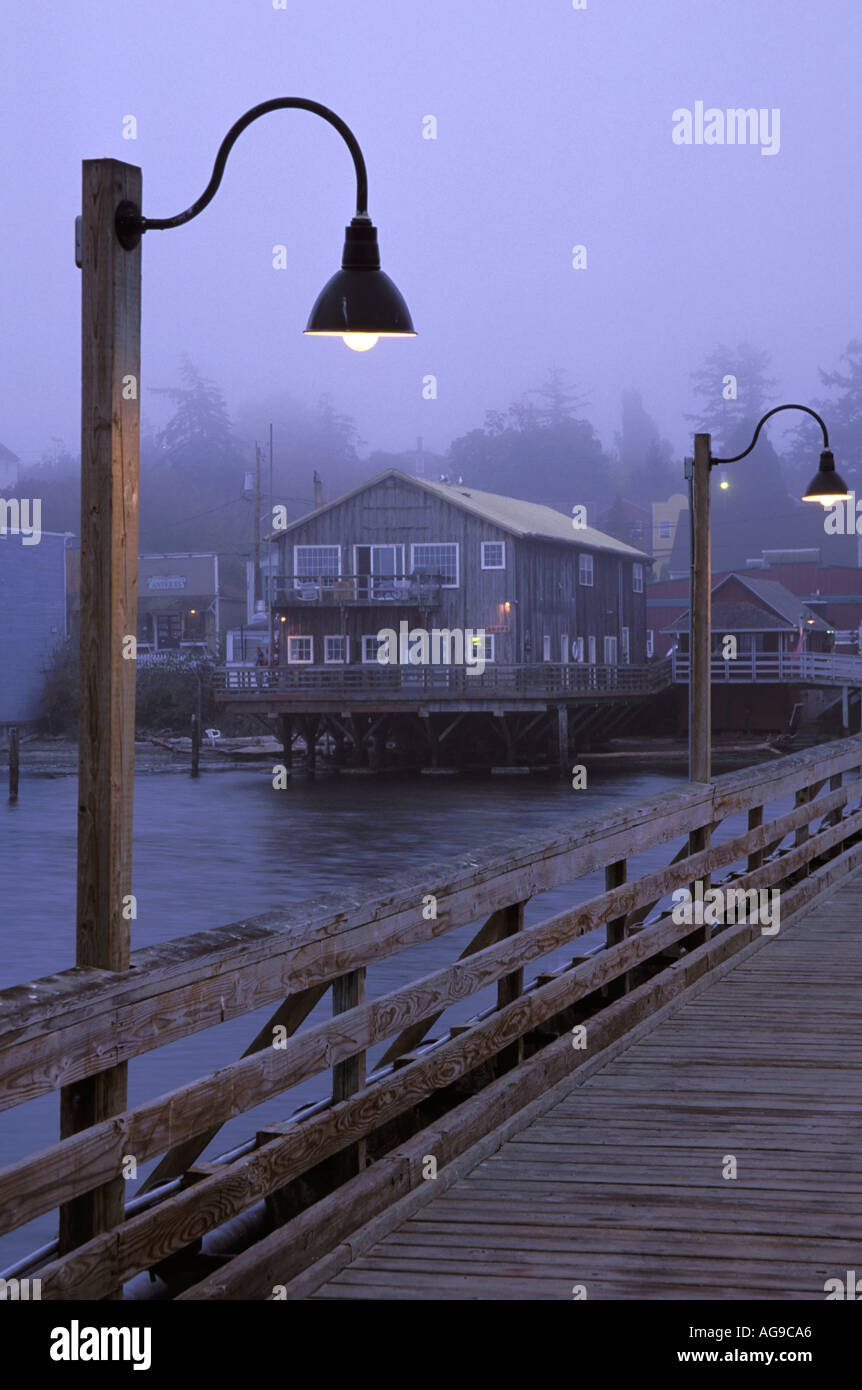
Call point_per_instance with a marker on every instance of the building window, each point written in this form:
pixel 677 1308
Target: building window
pixel 638 578
pixel 370 647
pixel 664 530
pixel 438 559
pixel 300 649
pixel 546 647
pixel 482 647
pixel 585 571
pixel 316 561
pixel 650 643
pixel 493 555
pixel 335 649
pixel 564 647
pixel 591 650
pixel 626 645
pixel 610 650
pixel 578 649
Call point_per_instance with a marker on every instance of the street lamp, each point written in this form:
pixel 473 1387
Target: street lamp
pixel 359 304
pixel 827 487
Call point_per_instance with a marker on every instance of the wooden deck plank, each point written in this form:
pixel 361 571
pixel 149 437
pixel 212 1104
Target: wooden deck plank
pixel 619 1186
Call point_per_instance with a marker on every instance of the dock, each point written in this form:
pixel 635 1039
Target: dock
pixel 608 1099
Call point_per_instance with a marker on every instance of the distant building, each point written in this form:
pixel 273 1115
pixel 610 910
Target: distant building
pixel 665 519
pixel 32 620
pixel 627 521
pixel 444 555
pixel 832 592
pixel 179 604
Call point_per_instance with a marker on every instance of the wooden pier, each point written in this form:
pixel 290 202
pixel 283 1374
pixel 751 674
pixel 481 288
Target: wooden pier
pixel 572 1132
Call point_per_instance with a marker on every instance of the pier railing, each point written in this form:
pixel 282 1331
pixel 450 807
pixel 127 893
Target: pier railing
pixel 794 824
pixel 809 668
pixel 543 679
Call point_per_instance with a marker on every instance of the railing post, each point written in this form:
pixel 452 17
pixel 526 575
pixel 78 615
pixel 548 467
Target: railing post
pixel 615 930
pixel 755 820
pixel 348 1076
pixel 510 987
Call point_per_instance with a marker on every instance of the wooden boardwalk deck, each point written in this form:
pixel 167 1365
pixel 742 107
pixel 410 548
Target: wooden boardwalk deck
pixel 618 1187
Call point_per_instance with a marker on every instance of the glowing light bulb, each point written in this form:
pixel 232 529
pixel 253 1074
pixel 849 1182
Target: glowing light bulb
pixel 360 342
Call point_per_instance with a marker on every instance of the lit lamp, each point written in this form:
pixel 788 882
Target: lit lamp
pixel 827 487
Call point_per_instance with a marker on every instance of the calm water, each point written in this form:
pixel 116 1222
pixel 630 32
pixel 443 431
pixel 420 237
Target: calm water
pixel 228 846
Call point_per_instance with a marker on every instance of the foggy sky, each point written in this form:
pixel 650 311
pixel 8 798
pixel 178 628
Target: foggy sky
pixel 554 128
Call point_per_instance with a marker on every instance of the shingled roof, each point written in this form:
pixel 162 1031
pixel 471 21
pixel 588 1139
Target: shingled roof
pixel 739 616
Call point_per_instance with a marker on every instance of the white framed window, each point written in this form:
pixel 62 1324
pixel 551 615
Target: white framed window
pixel 591 650
pixel 577 648
pixel 610 651
pixel 650 642
pixel 546 647
pixel 564 647
pixel 481 640
pixel 300 649
pixel 493 555
pixel 316 562
pixel 626 645
pixel 436 558
pixel 585 570
pixel 664 530
pixel 638 578
pixel 370 648
pixel 336 649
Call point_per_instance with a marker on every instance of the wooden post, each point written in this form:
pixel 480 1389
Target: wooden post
pixel 348 1076
pixel 13 765
pixel 700 762
pixel 196 745
pixel 615 930
pixel 110 437
pixel 510 987
pixel 563 737
pixel 287 741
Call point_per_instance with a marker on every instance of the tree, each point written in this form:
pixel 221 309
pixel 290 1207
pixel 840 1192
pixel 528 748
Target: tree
pixel 198 435
pixel 734 391
pixel 539 451
pixel 842 414
pixel 646 468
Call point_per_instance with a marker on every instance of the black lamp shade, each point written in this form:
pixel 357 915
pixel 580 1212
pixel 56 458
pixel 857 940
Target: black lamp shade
pixel 360 298
pixel 826 486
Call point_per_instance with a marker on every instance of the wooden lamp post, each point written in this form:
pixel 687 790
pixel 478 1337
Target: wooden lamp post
pixel 359 304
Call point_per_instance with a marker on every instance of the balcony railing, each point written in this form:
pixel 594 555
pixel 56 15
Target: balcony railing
pixel 811 668
pixel 394 682
pixel 414 590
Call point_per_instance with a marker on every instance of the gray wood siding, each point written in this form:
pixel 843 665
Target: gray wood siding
pixel 540 580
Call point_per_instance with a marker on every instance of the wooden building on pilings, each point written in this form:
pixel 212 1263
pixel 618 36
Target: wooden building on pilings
pixel 516 634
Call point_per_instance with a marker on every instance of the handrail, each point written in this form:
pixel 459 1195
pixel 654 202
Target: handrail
pixel 74 1023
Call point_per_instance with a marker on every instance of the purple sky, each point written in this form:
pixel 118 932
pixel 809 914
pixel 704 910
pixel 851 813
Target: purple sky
pixel 554 128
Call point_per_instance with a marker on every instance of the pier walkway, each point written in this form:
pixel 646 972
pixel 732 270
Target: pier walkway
pixel 598 1091
pixel 619 1189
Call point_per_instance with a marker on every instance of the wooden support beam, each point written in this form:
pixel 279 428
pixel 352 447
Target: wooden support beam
pixel 110 442
pixel 288 1016
pixel 755 820
pixel 563 737
pixel 496 928
pixel 348 1077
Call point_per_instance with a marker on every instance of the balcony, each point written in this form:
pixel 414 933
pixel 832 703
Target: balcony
pixel 358 590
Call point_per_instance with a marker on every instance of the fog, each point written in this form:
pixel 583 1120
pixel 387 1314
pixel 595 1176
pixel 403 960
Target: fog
pixel 555 127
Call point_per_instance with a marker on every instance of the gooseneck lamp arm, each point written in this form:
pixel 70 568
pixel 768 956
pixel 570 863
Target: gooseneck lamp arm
pixel 131 224
pixel 761 423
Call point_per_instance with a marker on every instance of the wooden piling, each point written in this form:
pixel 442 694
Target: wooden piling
pixel 13 765
pixel 196 745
